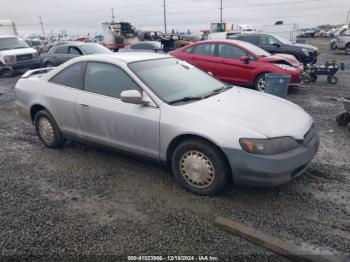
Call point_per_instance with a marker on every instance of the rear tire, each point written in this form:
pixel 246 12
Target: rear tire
pixel 48 64
pixel 47 130
pixel 200 167
pixel 343 119
pixel 332 80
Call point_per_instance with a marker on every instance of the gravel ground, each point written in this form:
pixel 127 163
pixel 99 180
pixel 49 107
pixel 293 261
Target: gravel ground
pixel 88 203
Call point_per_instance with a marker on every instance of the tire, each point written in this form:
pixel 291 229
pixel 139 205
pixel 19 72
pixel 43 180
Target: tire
pixel 47 130
pixel 313 77
pixel 7 72
pixel 347 49
pixel 186 164
pixel 307 80
pixel 332 80
pixel 260 83
pixel 348 128
pixel 343 119
pixel 48 64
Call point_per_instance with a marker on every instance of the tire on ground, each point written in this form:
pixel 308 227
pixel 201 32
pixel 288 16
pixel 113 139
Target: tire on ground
pixel 58 139
pixel 220 167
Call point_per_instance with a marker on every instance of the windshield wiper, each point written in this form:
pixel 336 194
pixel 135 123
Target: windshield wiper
pixel 185 99
pixel 218 91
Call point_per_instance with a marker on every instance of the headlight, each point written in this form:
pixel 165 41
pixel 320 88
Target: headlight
pixel 9 59
pixel 268 146
pixel 286 67
pixel 307 52
pixel 35 55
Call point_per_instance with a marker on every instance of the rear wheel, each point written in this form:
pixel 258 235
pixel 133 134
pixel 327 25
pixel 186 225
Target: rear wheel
pixel 48 64
pixel 343 119
pixel 200 167
pixel 260 83
pixel 332 80
pixel 47 130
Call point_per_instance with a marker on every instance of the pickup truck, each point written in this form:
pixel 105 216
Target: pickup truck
pixel 343 41
pixel 16 55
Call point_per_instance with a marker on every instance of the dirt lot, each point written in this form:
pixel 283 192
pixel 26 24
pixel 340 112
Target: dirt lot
pixel 90 203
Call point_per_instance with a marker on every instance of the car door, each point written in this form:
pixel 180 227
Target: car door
pixel 203 56
pixel 63 89
pixel 60 54
pixel 270 44
pixel 231 68
pixel 103 118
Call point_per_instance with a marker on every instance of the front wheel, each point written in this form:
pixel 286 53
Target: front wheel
pixel 347 49
pixel 48 64
pixel 332 80
pixel 47 130
pixel 200 167
pixel 260 83
pixel 343 119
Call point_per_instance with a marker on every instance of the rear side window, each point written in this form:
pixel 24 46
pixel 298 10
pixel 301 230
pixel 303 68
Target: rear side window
pixel 74 51
pixel 267 40
pixel 106 79
pixel 204 49
pixel 141 46
pixel 70 76
pixel 61 50
pixel 230 51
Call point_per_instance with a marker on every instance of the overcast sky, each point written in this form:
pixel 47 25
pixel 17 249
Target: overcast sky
pixel 79 16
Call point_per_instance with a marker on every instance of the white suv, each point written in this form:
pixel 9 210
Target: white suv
pixel 16 55
pixel 343 41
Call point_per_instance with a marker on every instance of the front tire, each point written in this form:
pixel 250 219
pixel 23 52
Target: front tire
pixel 347 49
pixel 48 64
pixel 200 167
pixel 260 83
pixel 47 130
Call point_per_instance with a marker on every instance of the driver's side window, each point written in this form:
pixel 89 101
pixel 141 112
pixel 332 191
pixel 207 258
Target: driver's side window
pixel 267 40
pixel 61 50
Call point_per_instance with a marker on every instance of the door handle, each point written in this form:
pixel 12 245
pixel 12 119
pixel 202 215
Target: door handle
pixel 84 105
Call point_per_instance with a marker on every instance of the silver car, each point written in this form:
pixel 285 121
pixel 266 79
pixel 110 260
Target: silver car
pixel 157 106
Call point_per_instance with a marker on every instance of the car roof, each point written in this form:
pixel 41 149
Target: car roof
pixel 9 36
pixel 146 42
pixel 126 57
pixel 224 41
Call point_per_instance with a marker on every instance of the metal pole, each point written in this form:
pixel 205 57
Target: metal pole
pixel 347 18
pixel 220 11
pixel 112 15
pixel 42 25
pixel 164 16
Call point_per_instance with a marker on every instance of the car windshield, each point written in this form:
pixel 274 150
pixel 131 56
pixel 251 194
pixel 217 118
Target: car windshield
pixel 254 49
pixel 12 43
pixel 283 40
pixel 95 49
pixel 172 79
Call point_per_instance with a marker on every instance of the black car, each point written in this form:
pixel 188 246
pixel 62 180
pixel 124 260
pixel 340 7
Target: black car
pixel 306 54
pixel 61 53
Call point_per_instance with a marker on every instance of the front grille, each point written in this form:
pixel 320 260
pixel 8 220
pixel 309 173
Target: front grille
pixel 24 58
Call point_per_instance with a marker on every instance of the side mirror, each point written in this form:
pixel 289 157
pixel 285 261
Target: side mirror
pixel 276 44
pixel 132 97
pixel 245 59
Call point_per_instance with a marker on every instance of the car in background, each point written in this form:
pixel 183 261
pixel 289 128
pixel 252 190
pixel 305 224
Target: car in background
pixel 16 55
pixel 146 46
pixel 61 53
pixel 238 62
pixel 139 102
pixel 274 44
pixel 343 41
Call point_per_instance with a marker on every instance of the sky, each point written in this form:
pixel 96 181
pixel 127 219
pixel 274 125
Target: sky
pixel 80 16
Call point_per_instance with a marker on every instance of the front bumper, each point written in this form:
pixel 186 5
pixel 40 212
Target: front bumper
pixel 271 170
pixel 33 64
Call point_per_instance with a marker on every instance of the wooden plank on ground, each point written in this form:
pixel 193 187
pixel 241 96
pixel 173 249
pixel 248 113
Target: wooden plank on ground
pixel 285 249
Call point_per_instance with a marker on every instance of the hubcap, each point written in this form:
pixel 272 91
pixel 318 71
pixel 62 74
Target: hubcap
pixel 197 169
pixel 46 130
pixel 262 84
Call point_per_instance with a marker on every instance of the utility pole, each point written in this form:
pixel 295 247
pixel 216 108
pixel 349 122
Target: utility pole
pixel 164 16
pixel 112 15
pixel 347 18
pixel 42 25
pixel 220 11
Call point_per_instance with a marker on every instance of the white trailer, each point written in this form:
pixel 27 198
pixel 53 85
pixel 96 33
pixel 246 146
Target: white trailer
pixel 287 31
pixel 8 27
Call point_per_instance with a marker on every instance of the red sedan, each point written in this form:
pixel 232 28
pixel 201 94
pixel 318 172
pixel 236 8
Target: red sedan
pixel 240 63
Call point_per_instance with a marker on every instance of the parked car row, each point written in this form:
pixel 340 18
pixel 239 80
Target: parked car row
pixel 139 102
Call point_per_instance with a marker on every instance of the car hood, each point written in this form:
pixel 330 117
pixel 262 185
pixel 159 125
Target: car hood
pixel 305 46
pixel 265 114
pixel 290 59
pixel 21 51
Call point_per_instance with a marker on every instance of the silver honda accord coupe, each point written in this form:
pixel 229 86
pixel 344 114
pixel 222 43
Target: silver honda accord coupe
pixel 211 134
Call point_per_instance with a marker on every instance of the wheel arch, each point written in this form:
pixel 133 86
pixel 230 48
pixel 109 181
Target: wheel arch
pixel 34 109
pixel 180 138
